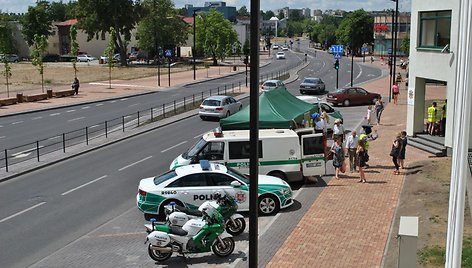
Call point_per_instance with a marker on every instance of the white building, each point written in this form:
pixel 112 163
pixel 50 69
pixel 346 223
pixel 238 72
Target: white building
pixel 433 44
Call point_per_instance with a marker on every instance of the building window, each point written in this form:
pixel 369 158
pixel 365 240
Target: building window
pixel 435 29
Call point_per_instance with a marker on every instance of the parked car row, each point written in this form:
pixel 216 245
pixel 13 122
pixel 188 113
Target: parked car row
pixel 9 58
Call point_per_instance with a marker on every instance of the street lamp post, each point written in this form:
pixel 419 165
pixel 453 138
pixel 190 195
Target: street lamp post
pixel 194 45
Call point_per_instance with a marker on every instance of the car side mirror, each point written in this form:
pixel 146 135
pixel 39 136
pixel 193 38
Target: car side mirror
pixel 236 184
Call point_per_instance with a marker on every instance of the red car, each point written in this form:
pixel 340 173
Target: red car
pixel 352 96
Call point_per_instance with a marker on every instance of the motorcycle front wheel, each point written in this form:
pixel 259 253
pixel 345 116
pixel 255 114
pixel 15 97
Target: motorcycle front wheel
pixel 223 249
pixel 235 227
pixel 157 255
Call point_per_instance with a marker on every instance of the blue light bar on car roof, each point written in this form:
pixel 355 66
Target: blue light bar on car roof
pixel 205 164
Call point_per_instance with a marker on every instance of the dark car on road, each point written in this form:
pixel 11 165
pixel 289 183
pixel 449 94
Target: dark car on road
pixel 51 58
pixel 312 85
pixel 352 96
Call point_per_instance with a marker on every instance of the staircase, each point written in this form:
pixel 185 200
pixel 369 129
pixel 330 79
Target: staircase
pixel 428 143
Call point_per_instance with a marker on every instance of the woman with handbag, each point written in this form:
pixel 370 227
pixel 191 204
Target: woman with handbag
pixel 395 152
pixel 338 156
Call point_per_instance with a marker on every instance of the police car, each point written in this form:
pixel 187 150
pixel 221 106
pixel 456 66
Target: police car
pixel 192 185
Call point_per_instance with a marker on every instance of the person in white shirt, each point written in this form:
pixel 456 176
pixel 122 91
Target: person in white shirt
pixel 351 146
pixel 338 130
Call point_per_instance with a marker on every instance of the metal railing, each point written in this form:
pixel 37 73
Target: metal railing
pixel 64 142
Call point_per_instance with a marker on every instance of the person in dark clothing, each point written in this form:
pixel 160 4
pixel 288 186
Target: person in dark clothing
pixel 76 85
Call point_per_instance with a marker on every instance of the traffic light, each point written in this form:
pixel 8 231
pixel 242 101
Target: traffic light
pixel 336 65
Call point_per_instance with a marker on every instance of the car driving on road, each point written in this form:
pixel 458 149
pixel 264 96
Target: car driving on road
pixel 273 84
pixel 280 55
pixel 218 107
pixel 352 96
pixel 312 85
pixel 192 185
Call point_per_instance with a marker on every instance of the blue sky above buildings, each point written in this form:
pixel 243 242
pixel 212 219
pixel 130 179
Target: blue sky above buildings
pixel 17 6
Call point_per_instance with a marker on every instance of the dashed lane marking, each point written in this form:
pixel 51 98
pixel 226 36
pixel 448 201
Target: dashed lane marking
pixel 135 163
pixel 83 185
pixel 36 118
pixel 17 122
pixel 54 114
pixel 172 147
pixel 21 212
pixel 75 119
pixel 70 111
pixel 86 107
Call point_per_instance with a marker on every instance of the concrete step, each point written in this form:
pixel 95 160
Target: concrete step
pixel 426 148
pixel 434 139
pixel 428 143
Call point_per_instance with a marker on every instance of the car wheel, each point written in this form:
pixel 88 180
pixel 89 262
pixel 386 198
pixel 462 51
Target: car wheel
pixel 346 102
pixel 203 118
pixel 268 205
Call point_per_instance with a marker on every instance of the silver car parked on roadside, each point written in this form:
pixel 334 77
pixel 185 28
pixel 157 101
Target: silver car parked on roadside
pixel 218 107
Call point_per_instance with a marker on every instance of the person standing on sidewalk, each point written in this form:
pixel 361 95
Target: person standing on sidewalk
pixel 379 107
pixel 338 130
pixel 338 155
pixel 360 156
pixel 403 143
pixel 395 152
pixel 351 146
pixel 432 112
pixel 76 85
pixel 395 92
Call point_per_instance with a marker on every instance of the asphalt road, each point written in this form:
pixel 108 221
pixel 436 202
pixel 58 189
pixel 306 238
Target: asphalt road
pixel 46 210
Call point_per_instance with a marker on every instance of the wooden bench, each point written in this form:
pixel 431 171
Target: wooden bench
pixel 37 97
pixel 64 93
pixel 8 101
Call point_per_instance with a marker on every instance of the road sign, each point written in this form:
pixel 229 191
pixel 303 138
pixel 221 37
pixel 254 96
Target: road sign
pixel 365 49
pixel 168 53
pixel 389 51
pixel 337 49
pixel 337 55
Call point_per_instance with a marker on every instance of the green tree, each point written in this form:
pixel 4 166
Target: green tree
pixel 161 26
pixel 96 17
pixel 57 11
pixel 405 46
pixel 109 53
pixel 356 29
pixel 281 15
pixel 214 32
pixel 294 15
pixel 36 22
pixel 269 14
pixel 6 47
pixel 74 47
pixel 40 44
pixel 243 11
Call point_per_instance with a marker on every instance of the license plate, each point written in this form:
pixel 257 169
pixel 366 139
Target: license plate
pixel 315 164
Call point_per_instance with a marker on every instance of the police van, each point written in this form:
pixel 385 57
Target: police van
pixel 288 154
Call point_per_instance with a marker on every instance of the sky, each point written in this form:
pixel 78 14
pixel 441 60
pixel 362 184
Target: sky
pixel 19 6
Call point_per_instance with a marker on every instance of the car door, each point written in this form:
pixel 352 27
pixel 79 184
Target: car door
pixel 363 96
pixel 233 105
pixel 192 189
pixel 221 183
pixel 313 152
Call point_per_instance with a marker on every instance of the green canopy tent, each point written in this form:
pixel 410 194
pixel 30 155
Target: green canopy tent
pixel 277 109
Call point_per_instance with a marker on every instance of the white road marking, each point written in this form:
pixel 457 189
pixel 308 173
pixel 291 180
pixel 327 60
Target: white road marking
pixel 136 104
pixel 17 122
pixel 199 135
pixel 94 126
pixel 170 148
pixel 115 85
pixel 70 111
pixel 53 138
pixel 113 101
pixel 25 152
pixel 83 185
pixel 99 104
pixel 2 137
pixel 21 212
pixel 54 114
pixel 36 118
pixel 86 107
pixel 135 163
pixel 123 99
pixel 75 119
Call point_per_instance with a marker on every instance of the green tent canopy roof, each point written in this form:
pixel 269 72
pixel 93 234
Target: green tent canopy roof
pixel 277 109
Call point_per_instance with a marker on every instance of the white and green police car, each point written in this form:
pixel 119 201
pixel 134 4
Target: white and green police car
pixel 192 185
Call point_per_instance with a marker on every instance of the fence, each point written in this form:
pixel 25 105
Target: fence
pixel 60 143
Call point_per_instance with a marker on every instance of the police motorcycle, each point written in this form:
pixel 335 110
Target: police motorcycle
pixel 195 236
pixel 225 204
